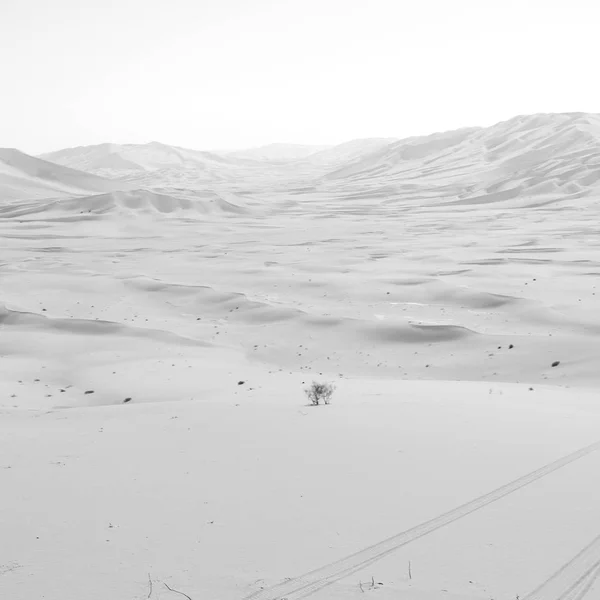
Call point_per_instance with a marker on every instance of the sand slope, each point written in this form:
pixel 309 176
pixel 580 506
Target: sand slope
pixel 531 160
pixel 131 204
pixel 24 177
pixel 347 152
pixel 526 158
pixel 117 160
pixel 278 153
pixel 234 492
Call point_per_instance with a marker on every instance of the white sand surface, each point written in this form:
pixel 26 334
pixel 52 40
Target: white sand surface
pixel 155 342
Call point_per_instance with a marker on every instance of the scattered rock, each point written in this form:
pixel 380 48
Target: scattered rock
pixel 89 392
pixel 126 400
pixel 241 382
pixel 556 363
pixel 511 347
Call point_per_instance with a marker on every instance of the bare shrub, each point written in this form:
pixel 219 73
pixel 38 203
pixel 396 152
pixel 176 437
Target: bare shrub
pixel 319 392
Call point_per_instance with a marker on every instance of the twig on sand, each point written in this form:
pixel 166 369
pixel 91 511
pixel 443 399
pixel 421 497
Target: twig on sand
pixel 149 585
pixel 176 591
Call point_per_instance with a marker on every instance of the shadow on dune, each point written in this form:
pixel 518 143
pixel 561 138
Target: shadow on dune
pixel 29 320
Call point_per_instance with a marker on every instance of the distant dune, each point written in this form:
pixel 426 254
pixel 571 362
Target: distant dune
pixel 278 153
pixel 130 203
pixel 24 177
pixel 348 151
pixel 117 160
pixel 525 161
pixel 527 157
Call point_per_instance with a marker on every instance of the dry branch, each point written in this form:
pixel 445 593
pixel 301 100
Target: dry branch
pixel 177 591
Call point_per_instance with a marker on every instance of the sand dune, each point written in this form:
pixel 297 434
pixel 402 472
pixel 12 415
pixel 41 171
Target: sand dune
pixel 278 153
pixel 81 326
pixel 23 177
pixel 118 160
pixel 155 342
pixel 526 161
pixel 158 165
pixel 131 203
pixel 525 157
pixel 347 152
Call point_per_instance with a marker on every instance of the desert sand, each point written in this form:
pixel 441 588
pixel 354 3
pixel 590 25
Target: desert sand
pixel 162 310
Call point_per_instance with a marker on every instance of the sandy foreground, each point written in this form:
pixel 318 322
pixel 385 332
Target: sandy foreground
pixel 154 433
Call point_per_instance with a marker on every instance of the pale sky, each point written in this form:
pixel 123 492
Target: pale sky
pixel 210 74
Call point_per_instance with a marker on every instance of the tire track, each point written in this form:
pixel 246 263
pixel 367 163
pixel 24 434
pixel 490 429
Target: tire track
pixel 574 579
pixel 588 586
pixel 313 581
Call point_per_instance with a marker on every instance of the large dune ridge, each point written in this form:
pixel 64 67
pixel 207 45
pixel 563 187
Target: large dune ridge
pixel 162 311
pixel 24 177
pixel 525 159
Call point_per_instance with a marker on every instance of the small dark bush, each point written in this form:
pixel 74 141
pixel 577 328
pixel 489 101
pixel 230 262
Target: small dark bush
pixel 319 392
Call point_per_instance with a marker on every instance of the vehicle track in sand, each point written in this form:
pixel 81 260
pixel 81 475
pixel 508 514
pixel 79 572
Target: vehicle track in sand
pixel 313 581
pixel 574 579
